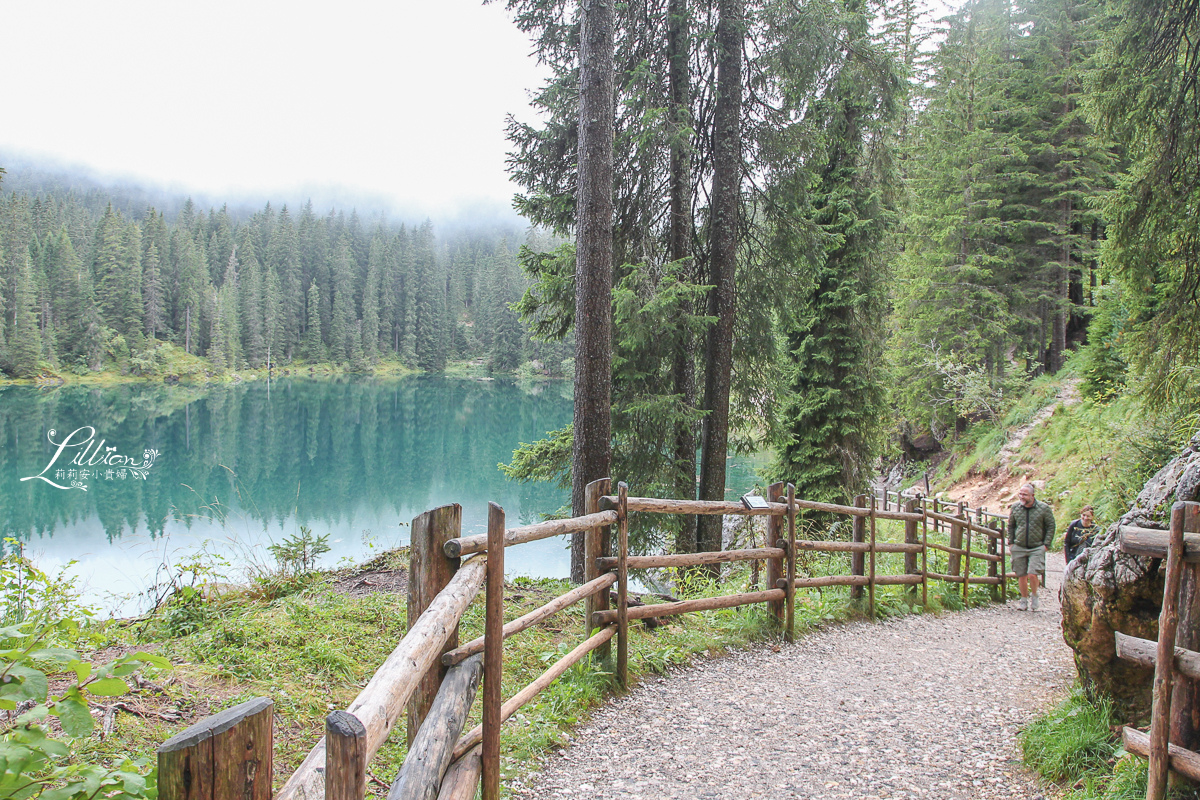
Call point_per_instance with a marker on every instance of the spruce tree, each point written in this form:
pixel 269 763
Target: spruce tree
pixel 250 291
pixel 342 328
pixel 152 293
pixel 25 341
pixel 834 404
pixel 312 348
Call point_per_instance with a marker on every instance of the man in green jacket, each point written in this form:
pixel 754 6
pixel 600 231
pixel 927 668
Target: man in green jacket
pixel 1030 533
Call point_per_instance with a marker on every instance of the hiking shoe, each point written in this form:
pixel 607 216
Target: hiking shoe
pixel 1033 603
pixel 1022 604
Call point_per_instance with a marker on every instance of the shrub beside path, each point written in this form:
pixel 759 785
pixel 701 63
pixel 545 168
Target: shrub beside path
pixel 915 707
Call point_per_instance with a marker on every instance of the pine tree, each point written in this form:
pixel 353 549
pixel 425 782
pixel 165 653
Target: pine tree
pixel 152 293
pixel 312 348
pixel 250 290
pixel 429 307
pixel 376 264
pixel 274 318
pixel 834 406
pixel 283 261
pixel 225 349
pixel 342 328
pixel 25 341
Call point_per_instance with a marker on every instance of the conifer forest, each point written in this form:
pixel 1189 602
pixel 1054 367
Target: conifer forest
pixel 836 225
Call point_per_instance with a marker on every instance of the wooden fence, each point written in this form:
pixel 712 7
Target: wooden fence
pixel 436 679
pixel 1174 737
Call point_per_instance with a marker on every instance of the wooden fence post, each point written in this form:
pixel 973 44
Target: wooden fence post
pixel 967 562
pixel 954 562
pixel 1185 699
pixel 493 654
pixel 775 566
pixel 429 570
pixel 345 757
pixel 871 577
pixel 791 563
pixel 858 534
pixel 595 545
pixel 910 537
pixel 924 553
pixel 623 584
pixel 1164 663
pixel 993 549
pixel 1003 561
pixel 228 756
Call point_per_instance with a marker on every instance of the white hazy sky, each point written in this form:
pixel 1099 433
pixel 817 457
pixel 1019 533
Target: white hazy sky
pixel 405 98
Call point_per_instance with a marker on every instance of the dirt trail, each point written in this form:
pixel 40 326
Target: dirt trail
pixel 915 707
pixel 997 488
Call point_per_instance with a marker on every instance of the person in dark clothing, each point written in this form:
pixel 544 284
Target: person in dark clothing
pixel 1080 533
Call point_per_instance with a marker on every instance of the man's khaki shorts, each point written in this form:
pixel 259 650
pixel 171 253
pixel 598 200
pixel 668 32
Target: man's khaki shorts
pixel 1027 560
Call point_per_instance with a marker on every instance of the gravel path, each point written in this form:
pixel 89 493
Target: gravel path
pixel 917 707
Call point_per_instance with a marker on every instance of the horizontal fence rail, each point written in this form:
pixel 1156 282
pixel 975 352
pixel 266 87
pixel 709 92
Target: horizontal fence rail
pixel 439 680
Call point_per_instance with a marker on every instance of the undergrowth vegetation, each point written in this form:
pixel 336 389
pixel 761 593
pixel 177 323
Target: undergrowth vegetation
pixel 1075 745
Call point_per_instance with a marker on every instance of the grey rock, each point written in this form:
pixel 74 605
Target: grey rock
pixel 1105 591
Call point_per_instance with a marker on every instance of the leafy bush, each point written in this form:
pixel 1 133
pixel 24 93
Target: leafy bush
pixel 32 763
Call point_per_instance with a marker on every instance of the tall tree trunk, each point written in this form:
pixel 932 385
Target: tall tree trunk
pixel 684 367
pixel 591 455
pixel 723 233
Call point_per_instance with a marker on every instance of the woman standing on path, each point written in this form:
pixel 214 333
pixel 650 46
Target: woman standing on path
pixel 1080 533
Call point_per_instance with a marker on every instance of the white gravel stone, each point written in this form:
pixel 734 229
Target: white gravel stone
pixel 916 707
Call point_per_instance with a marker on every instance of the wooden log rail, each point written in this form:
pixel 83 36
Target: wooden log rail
pixel 965 524
pixel 465 545
pixel 656 505
pixel 963 552
pixel 532 618
pixel 693 559
pixel 1145 652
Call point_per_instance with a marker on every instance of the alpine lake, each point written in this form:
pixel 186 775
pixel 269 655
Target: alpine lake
pixel 127 486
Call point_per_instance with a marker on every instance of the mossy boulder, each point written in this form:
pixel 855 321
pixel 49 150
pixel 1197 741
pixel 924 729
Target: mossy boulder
pixel 1105 591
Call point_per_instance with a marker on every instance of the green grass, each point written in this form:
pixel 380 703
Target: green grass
pixel 1072 741
pixel 1074 745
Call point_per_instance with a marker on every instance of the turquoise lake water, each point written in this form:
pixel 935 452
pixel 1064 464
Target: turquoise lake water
pixel 163 472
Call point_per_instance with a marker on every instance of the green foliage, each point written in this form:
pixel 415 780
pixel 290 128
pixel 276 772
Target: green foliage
pixel 547 459
pixel 1104 367
pixel 1071 741
pixel 32 763
pixel 1146 93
